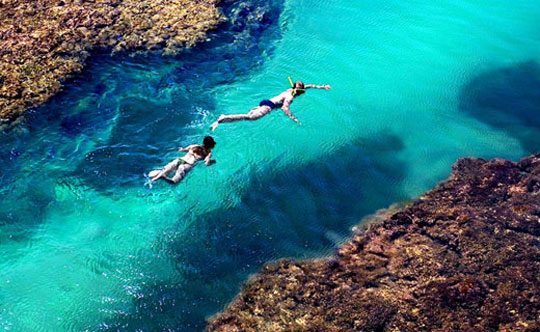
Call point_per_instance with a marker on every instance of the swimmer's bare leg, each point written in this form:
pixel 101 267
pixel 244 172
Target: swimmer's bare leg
pixel 166 170
pixel 230 118
pixel 164 176
pixel 160 175
pixel 171 181
pixel 180 174
pixel 254 114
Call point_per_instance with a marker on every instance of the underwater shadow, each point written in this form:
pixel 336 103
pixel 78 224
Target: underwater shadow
pixel 300 212
pixel 507 99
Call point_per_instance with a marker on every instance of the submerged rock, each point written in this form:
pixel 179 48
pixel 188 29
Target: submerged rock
pixel 43 42
pixel 463 257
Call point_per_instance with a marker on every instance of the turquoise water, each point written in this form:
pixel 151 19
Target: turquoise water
pixel 416 85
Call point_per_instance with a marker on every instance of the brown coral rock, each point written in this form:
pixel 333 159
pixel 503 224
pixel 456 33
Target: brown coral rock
pixel 463 257
pixel 43 42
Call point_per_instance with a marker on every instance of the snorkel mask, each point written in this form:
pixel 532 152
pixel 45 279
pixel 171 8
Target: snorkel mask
pixel 296 91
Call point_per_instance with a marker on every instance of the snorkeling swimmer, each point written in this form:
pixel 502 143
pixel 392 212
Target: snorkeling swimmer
pixel 283 100
pixel 183 165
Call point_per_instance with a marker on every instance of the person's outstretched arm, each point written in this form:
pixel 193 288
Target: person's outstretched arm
pixel 287 111
pixel 313 86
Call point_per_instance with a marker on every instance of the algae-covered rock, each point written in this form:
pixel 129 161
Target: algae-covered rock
pixel 44 42
pixel 463 257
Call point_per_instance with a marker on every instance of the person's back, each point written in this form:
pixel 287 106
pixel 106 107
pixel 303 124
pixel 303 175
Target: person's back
pixel 195 153
pixel 285 96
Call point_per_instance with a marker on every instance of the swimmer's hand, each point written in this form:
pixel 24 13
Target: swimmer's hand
pixel 326 87
pixel 208 161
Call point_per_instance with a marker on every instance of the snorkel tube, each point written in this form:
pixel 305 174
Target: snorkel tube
pixel 290 81
pixel 293 87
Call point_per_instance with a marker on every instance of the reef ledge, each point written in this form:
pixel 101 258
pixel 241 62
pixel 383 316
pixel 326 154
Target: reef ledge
pixel 44 42
pixel 462 257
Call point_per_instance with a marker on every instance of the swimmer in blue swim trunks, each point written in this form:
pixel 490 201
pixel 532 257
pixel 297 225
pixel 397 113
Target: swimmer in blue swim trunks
pixel 283 100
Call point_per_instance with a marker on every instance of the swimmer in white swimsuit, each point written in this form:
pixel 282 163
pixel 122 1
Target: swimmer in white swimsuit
pixel 183 165
pixel 283 100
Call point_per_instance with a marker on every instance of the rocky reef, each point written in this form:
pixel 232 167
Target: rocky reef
pixel 462 257
pixel 43 42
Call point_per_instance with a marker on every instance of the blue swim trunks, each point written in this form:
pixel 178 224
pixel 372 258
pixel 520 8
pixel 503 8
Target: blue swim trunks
pixel 267 102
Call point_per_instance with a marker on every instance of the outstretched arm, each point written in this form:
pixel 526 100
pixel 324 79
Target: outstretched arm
pixel 287 111
pixel 313 86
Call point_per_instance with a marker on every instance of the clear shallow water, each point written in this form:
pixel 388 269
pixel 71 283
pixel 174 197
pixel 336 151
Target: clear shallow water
pixel 416 85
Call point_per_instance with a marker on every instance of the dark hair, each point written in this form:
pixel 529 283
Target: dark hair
pixel 298 90
pixel 209 142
